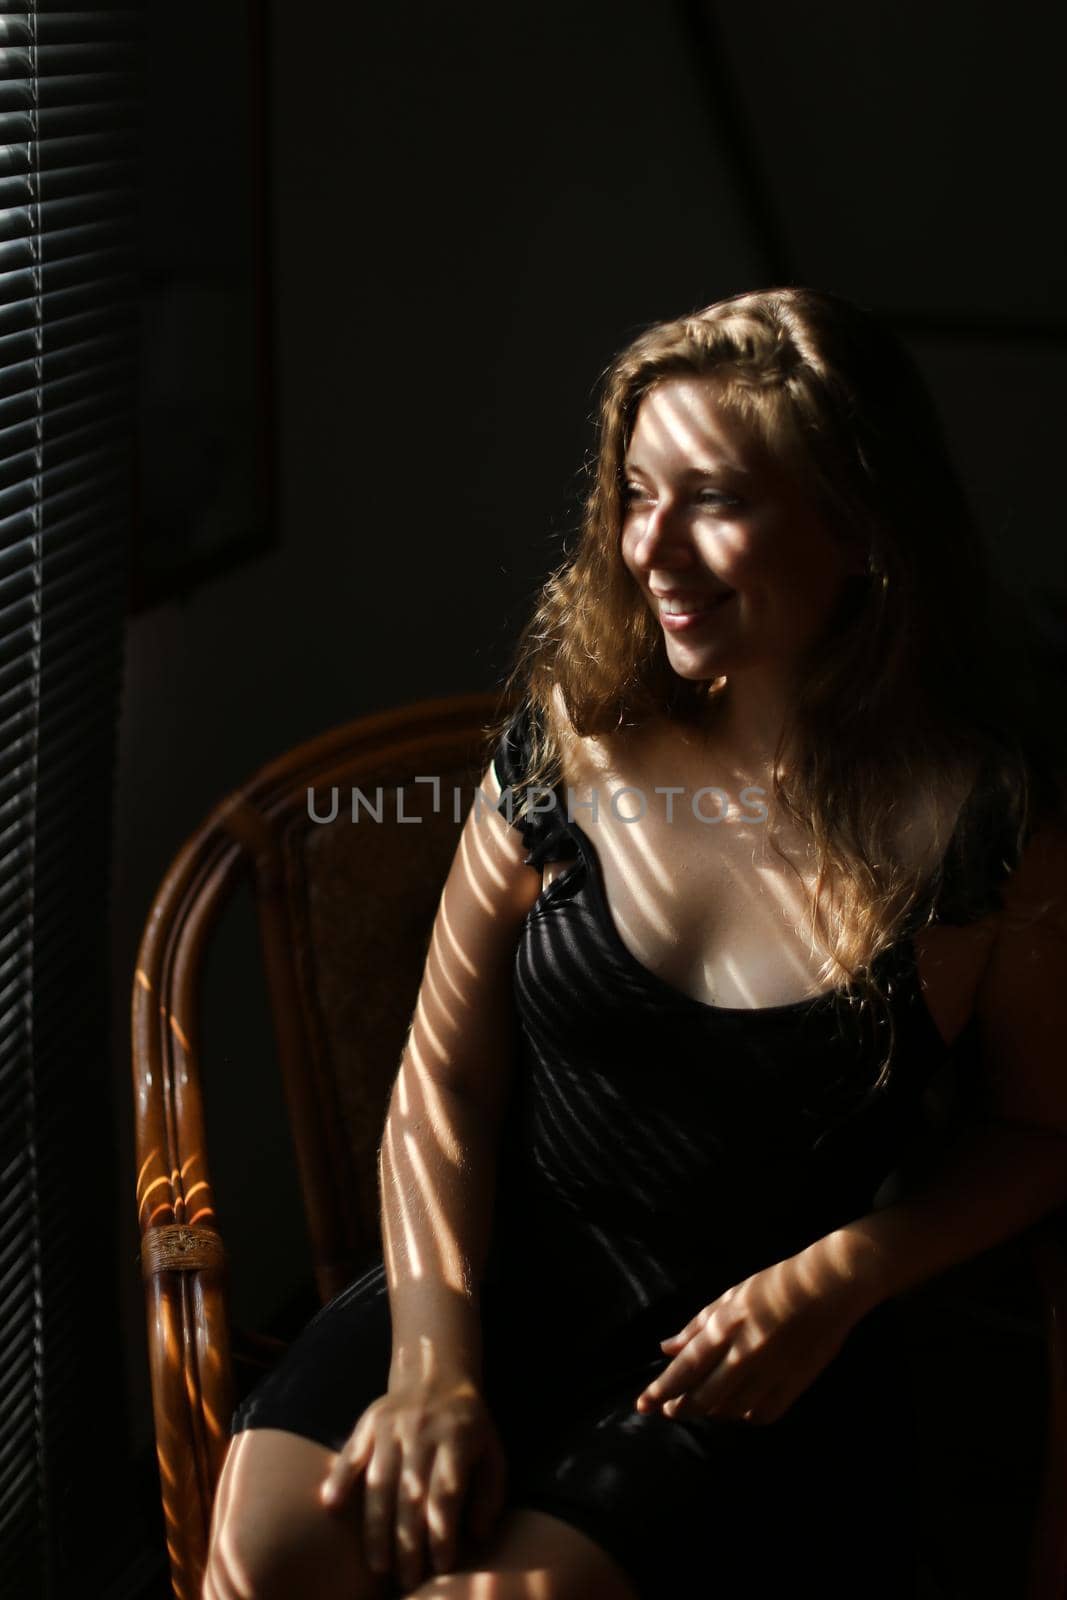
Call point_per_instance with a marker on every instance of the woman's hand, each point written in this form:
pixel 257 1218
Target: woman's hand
pixel 755 1349
pixel 420 1451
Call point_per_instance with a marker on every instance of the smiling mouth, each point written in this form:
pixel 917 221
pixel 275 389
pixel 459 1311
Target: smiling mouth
pixel 683 608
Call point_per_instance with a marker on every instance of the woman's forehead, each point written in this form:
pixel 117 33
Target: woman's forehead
pixel 693 422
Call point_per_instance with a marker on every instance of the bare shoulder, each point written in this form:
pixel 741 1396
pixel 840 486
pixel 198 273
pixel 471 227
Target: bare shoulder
pixel 489 876
pixel 581 756
pixel 633 749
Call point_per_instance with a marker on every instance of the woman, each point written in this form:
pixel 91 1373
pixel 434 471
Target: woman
pixel 795 834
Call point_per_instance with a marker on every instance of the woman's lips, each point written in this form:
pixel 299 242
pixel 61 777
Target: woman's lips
pixel 678 622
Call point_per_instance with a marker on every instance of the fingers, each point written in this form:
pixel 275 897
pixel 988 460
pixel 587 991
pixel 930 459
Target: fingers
pixel 414 1471
pixel 727 1392
pixel 370 1461
pixel 379 1503
pixel 694 1325
pixel 756 1400
pixel 731 1377
pixel 338 1484
pixel 444 1500
pixel 690 1366
pixel 413 1496
pixel 418 1461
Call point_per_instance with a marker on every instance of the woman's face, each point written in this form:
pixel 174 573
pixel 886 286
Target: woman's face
pixel 729 551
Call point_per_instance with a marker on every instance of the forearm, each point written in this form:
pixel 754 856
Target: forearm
pixel 994 1182
pixel 437 1175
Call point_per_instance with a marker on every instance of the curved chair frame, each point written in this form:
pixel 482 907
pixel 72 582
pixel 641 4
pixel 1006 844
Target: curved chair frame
pixel 182 1252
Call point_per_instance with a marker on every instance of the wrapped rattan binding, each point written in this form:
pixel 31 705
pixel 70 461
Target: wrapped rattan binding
pixel 179 1247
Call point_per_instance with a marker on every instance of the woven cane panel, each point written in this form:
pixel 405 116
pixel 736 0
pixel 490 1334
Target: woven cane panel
pixel 372 894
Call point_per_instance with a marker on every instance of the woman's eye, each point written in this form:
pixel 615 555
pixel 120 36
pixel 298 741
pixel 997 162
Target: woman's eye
pixel 632 491
pixel 718 499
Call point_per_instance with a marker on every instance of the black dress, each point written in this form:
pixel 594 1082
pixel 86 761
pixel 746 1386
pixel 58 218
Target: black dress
pixel 657 1150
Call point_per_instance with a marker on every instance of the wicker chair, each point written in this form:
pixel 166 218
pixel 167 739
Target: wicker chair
pixel 335 900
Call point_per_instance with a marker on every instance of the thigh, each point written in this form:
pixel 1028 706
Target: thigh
pixel 270 1536
pixel 534 1554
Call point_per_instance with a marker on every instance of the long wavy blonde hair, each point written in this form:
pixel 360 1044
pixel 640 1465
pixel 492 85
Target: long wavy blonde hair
pixel 910 683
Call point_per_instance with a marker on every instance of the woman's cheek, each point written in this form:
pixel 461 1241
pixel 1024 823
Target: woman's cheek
pixel 756 552
pixel 743 560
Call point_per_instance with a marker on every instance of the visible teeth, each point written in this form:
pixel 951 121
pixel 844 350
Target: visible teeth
pixel 682 607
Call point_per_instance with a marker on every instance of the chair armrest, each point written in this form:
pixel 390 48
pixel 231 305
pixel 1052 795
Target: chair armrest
pixel 182 1254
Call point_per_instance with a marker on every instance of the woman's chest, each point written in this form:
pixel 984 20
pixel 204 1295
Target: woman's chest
pixel 719 898
pixel 695 891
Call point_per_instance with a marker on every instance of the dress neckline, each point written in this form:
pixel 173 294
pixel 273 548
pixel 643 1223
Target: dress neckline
pixel 824 997
pixel 901 953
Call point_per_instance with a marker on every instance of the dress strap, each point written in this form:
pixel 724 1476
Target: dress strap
pixel 982 853
pixel 539 813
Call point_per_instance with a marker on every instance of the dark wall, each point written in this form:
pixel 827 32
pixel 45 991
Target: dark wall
pixel 906 155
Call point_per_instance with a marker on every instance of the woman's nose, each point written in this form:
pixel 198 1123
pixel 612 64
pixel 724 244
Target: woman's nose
pixel 664 538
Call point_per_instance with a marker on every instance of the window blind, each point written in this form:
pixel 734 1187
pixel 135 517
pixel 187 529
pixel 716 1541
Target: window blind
pixel 69 117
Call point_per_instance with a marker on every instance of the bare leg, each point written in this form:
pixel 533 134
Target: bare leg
pixel 534 1556
pixel 270 1537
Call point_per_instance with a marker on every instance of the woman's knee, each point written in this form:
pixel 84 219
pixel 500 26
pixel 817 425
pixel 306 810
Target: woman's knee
pixel 271 1539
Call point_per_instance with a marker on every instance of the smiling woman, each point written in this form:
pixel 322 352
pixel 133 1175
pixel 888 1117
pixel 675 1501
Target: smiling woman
pixel 692 546
pixel 632 1333
pixel 780 451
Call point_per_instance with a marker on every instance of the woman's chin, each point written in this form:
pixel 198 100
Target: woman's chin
pixel 697 665
pixel 712 679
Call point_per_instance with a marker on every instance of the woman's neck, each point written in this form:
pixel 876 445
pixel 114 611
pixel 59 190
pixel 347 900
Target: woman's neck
pixel 746 718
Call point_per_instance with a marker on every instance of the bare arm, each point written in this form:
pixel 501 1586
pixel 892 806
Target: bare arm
pixel 426 1453
pixel 758 1346
pixel 1009 1170
pixel 996 1181
pixel 437 1160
